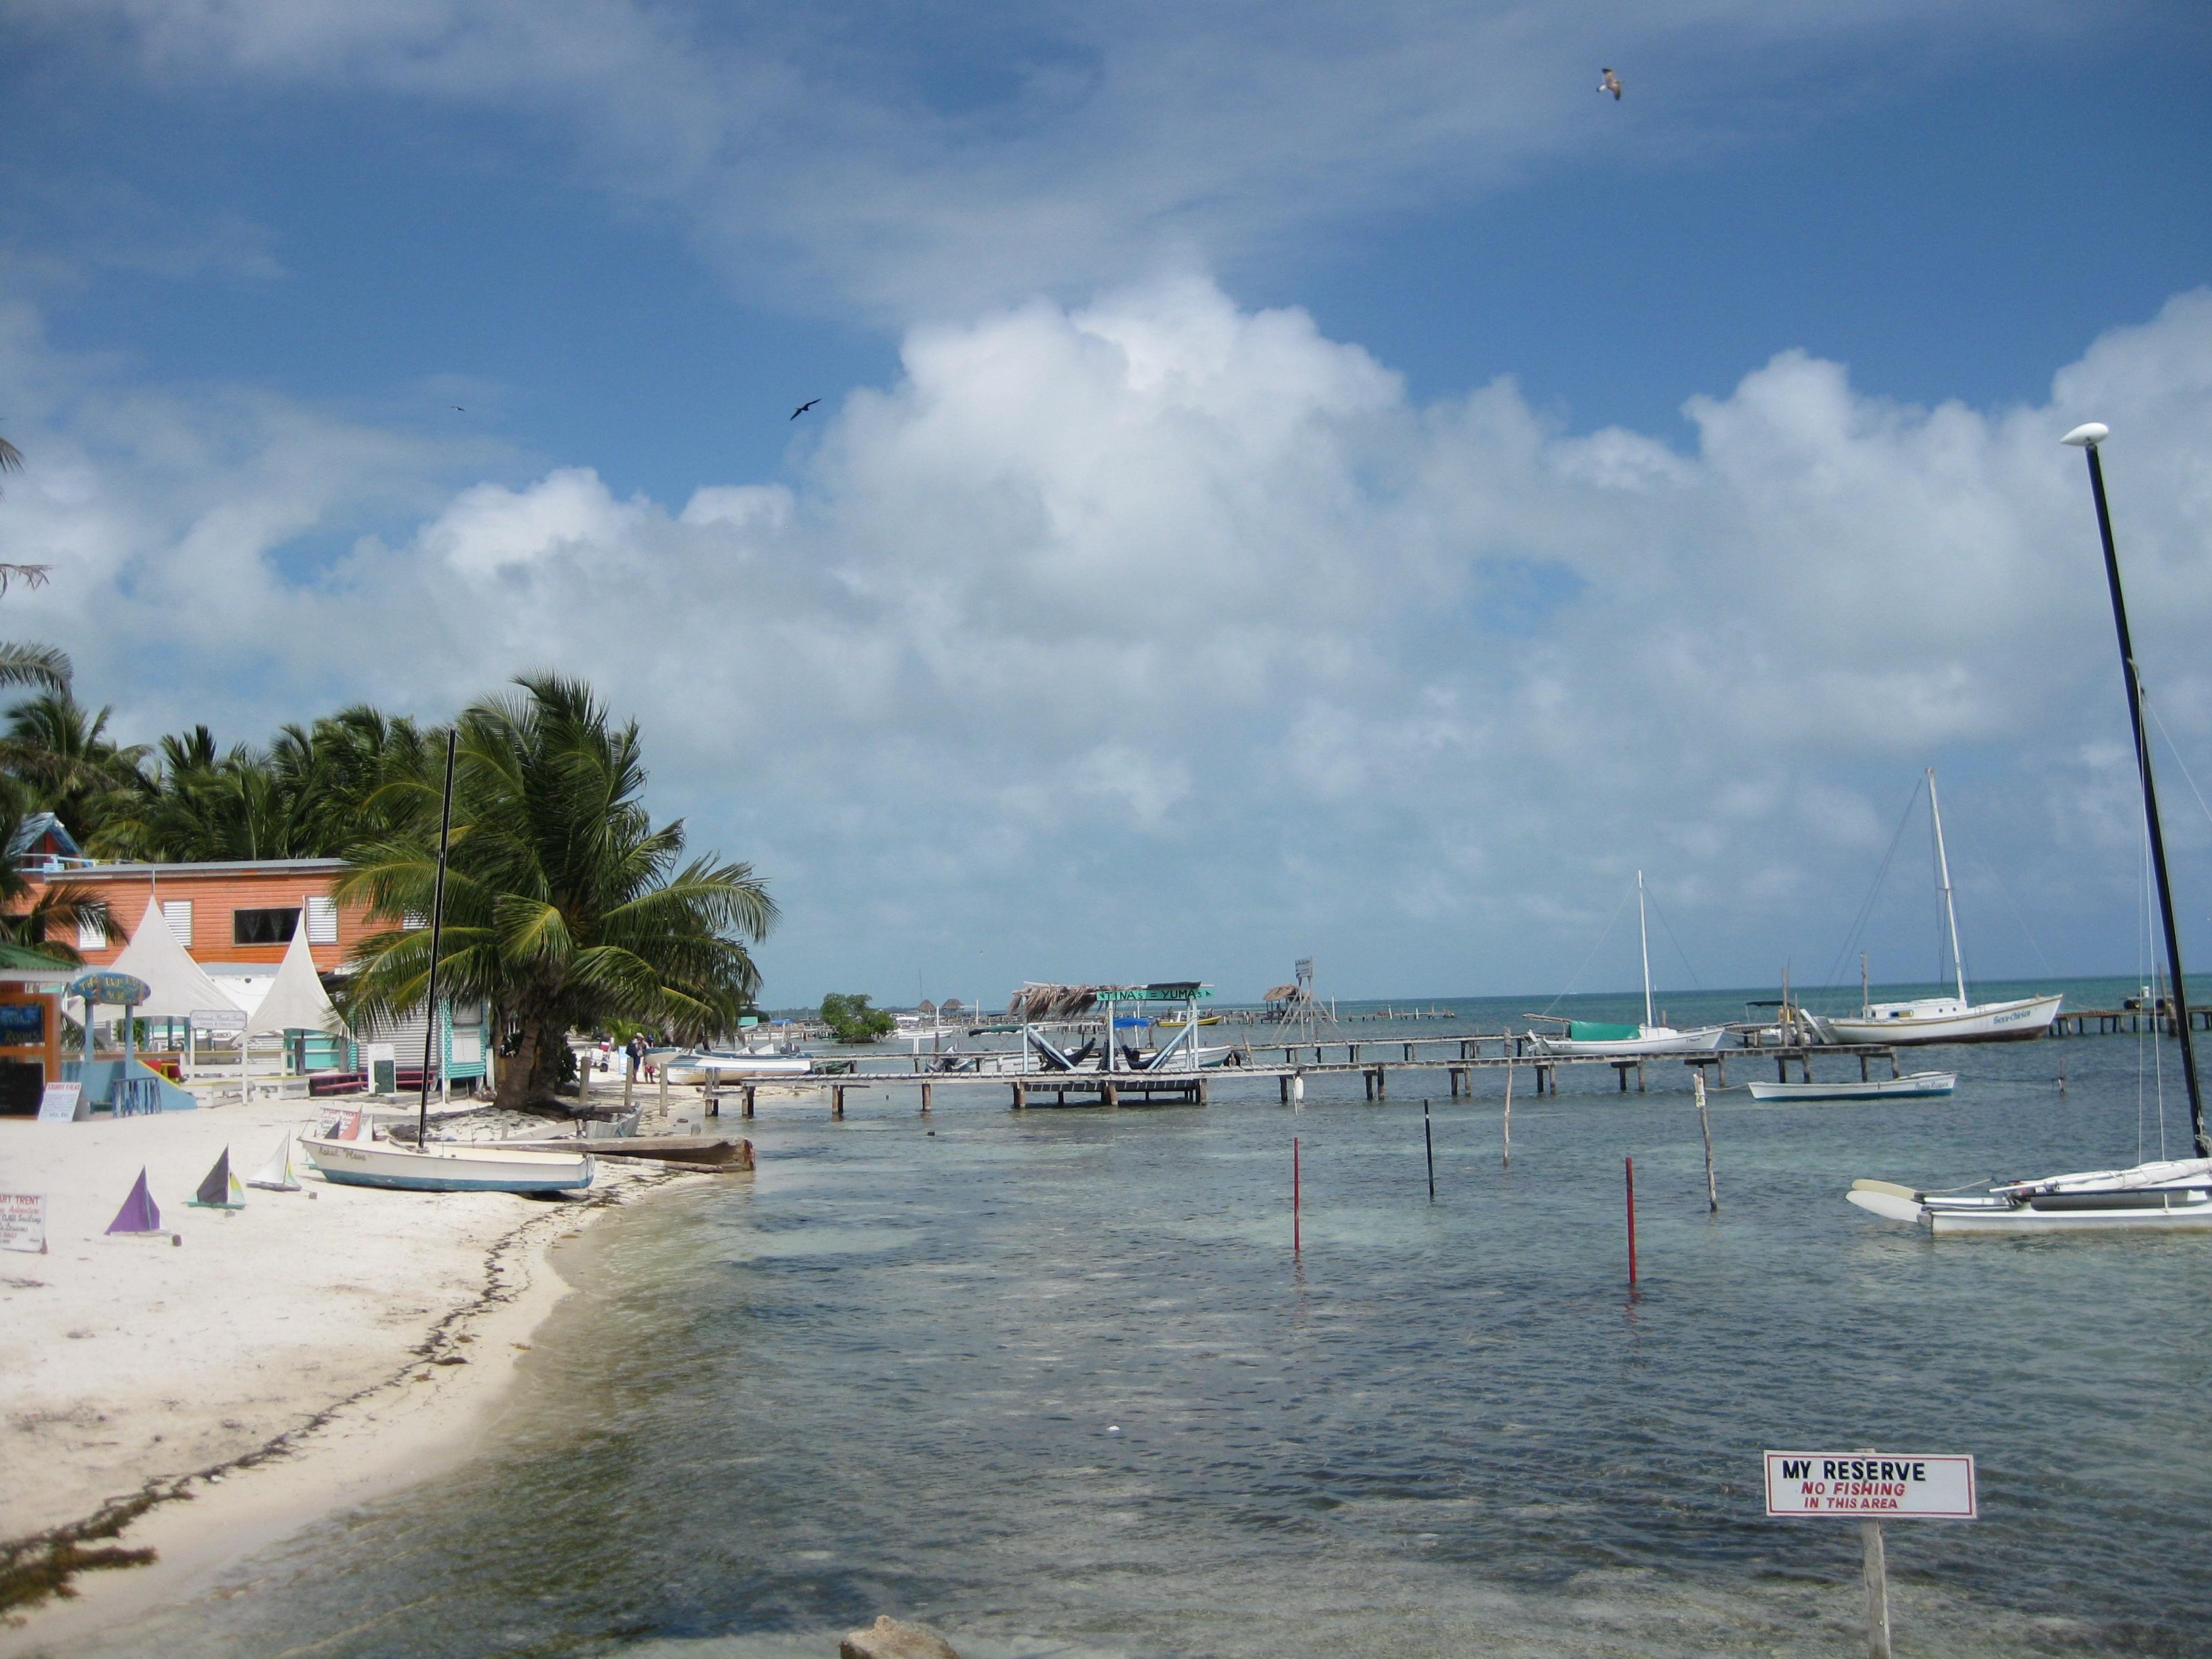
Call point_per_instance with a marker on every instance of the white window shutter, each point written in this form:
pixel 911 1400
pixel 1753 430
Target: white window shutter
pixel 178 913
pixel 89 937
pixel 322 920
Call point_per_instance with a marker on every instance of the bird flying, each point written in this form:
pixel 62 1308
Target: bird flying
pixel 1611 84
pixel 458 410
pixel 804 407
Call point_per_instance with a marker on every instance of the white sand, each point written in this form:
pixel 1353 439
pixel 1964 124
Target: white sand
pixel 128 1360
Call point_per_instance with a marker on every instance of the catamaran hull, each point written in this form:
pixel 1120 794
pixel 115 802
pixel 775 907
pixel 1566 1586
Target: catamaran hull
pixel 2168 1196
pixel 1917 1085
pixel 1989 1022
pixel 352 1164
pixel 1705 1037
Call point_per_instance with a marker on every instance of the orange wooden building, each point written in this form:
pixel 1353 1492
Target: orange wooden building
pixel 236 914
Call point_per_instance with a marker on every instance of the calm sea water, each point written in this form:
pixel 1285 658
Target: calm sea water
pixel 1057 1384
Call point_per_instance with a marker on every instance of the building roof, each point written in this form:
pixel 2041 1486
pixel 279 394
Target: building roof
pixel 36 828
pixel 212 867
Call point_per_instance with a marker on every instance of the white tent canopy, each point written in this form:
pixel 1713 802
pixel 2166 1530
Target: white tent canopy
pixel 181 988
pixel 296 1001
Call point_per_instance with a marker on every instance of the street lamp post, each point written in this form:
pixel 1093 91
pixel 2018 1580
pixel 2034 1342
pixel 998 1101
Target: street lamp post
pixel 2086 437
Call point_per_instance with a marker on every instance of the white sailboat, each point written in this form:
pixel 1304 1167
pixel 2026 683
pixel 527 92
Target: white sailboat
pixel 1943 1019
pixel 1590 1037
pixel 2163 1194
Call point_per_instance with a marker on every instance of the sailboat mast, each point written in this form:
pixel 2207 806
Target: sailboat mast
pixel 437 929
pixel 2089 437
pixel 1644 945
pixel 1943 875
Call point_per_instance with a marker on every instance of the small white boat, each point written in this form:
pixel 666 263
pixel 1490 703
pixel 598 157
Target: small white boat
pixel 699 1067
pixel 2173 1194
pixel 1913 1085
pixel 447 1168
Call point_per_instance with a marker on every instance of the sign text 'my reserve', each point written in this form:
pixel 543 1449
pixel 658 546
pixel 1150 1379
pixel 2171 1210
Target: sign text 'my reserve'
pixel 1877 1485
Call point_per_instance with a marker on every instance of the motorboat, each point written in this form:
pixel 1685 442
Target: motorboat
pixel 708 1065
pixel 1913 1085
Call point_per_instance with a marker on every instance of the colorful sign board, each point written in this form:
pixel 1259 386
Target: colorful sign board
pixel 1151 993
pixel 1870 1485
pixel 23 1222
pixel 106 985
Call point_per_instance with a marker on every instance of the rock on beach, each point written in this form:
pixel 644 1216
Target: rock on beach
pixel 887 1638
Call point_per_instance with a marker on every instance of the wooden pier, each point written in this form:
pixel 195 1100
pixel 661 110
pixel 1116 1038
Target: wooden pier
pixel 1043 1088
pixel 2126 1022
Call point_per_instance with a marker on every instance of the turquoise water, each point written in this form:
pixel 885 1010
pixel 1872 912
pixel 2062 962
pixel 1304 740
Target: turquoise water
pixel 1057 1384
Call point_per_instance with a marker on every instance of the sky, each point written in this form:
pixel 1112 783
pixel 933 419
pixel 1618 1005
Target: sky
pixel 1287 480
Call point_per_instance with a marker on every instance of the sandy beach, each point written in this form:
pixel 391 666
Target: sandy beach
pixel 304 1352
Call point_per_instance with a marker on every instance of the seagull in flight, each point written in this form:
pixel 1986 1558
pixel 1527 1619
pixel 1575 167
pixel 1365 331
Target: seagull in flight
pixel 1611 84
pixel 804 407
pixel 458 410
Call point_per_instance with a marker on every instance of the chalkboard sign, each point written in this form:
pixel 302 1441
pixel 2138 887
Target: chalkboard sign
pixel 22 1025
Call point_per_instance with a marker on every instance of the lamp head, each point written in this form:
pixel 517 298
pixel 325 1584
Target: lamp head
pixel 2087 436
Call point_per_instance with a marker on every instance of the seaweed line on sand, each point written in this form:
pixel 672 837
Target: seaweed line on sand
pixel 40 1566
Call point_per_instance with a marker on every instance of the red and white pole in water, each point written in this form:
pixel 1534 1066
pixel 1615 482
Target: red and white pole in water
pixel 1297 1243
pixel 1631 1219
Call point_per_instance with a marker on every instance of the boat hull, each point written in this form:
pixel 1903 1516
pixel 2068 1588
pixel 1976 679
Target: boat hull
pixel 1917 1085
pixel 2165 1197
pixel 447 1169
pixel 1988 1022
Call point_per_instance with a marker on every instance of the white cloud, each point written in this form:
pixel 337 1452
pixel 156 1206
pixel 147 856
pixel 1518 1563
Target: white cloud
pixel 1160 636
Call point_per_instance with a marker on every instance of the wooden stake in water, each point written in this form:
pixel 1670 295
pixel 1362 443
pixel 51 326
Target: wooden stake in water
pixel 1632 1220
pixel 1877 1590
pixel 1297 1243
pixel 1428 1145
pixel 1509 1111
pixel 1706 1128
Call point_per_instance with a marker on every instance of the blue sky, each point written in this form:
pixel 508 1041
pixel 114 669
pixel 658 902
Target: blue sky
pixel 1302 479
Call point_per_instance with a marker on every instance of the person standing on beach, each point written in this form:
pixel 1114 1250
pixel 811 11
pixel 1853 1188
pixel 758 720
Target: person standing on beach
pixel 636 1046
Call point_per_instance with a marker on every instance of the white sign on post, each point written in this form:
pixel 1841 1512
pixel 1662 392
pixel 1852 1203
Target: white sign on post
pixel 1870 1486
pixel 23 1222
pixel 63 1102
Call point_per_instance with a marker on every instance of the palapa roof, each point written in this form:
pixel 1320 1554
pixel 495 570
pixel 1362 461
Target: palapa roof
pixel 1281 993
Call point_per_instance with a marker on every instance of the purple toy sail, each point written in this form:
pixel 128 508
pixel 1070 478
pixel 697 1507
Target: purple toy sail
pixel 139 1213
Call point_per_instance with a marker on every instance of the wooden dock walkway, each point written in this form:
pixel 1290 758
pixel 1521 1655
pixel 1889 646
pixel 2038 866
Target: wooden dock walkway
pixel 1121 1088
pixel 2126 1022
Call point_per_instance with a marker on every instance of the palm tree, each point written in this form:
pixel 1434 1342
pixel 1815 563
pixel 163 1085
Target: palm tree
pixel 316 792
pixel 60 911
pixel 565 907
pixel 61 749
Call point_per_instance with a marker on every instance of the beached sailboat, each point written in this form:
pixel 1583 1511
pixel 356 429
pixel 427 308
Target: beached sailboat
pixel 2163 1194
pixel 1943 1019
pixel 1583 1037
pixel 428 1166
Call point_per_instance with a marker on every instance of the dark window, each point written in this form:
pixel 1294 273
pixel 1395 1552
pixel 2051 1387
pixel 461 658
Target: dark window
pixel 264 927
